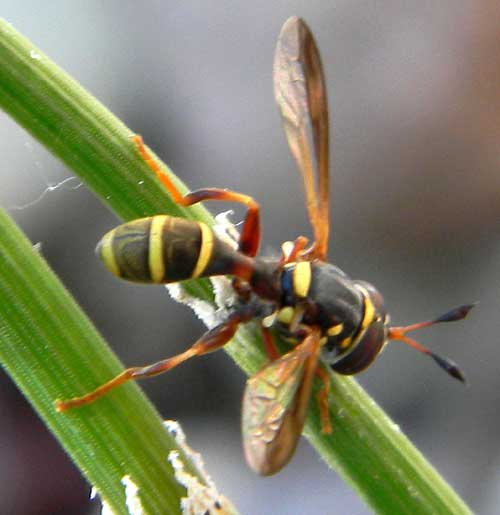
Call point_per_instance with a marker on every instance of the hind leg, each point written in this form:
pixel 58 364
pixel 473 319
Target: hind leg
pixel 250 234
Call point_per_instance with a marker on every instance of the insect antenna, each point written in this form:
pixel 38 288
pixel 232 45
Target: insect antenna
pixel 399 333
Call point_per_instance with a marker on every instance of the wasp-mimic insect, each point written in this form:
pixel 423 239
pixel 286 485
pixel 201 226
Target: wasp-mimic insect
pixel 323 312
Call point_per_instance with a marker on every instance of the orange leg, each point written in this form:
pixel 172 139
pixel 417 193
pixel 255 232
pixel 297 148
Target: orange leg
pixel 322 398
pixel 211 341
pixel 269 346
pixel 250 234
pixel 292 251
pixel 153 165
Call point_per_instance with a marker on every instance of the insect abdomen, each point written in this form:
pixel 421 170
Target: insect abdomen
pixel 164 249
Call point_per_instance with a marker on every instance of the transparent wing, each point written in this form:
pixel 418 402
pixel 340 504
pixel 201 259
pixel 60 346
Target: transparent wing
pixel 299 89
pixel 275 405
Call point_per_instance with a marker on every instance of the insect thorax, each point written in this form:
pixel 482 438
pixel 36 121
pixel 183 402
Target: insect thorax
pixel 328 297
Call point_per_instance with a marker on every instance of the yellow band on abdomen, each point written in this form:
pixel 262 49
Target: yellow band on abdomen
pixel 156 261
pixel 107 254
pixel 206 248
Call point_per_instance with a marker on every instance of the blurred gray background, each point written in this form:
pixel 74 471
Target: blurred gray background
pixel 414 91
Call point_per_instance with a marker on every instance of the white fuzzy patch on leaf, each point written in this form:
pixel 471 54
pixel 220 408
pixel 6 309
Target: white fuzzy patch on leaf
pixel 226 230
pixel 132 499
pixel 223 291
pixel 202 309
pixel 202 496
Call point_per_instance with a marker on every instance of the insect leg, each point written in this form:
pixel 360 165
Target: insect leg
pixel 211 341
pixel 153 165
pixel 290 251
pixel 250 235
pixel 269 346
pixel 322 398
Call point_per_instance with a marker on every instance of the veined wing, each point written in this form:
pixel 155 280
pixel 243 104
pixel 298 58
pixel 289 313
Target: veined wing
pixel 275 405
pixel 299 88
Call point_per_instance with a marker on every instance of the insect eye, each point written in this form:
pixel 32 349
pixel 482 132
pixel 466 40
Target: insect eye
pixel 365 351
